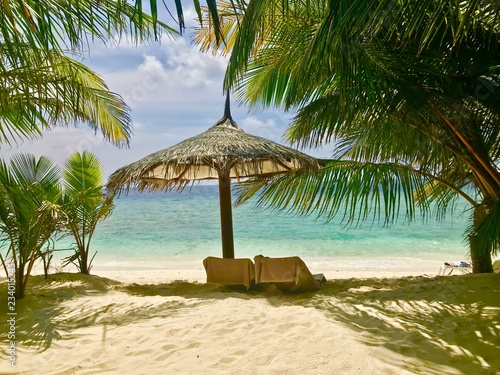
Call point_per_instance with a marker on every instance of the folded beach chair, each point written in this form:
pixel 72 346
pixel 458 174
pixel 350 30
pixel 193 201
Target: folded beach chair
pixel 230 271
pixel 448 267
pixel 288 274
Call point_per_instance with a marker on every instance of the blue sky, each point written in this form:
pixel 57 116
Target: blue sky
pixel 174 92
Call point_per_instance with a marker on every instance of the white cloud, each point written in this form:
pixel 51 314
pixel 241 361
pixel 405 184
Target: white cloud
pixel 266 128
pixel 151 66
pixel 58 144
pixel 175 77
pixel 257 124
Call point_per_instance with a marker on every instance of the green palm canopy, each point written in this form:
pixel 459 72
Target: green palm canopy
pixel 222 153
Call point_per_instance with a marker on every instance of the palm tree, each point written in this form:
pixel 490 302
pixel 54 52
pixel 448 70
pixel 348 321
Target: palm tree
pixel 54 89
pixel 84 204
pixel 63 25
pixel 42 87
pixel 29 212
pixel 56 24
pixel 39 200
pixel 35 34
pixel 407 89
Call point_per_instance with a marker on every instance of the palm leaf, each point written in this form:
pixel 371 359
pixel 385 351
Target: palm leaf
pixel 82 172
pixel 44 24
pixel 54 89
pixel 356 191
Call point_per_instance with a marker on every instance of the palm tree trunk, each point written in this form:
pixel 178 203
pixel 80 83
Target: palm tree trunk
pixel 482 166
pixel 20 283
pixel 84 267
pixel 480 257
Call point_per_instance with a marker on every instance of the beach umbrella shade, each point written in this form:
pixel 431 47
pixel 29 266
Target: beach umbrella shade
pixel 222 153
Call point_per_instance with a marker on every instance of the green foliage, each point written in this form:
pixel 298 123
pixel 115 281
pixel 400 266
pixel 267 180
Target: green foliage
pixel 84 204
pixel 40 86
pixel 39 201
pixel 29 212
pixel 397 85
pixel 52 23
pixel 53 89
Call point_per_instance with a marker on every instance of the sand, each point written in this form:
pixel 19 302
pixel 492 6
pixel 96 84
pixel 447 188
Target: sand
pixel 172 322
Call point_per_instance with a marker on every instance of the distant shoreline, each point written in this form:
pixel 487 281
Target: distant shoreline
pixel 193 271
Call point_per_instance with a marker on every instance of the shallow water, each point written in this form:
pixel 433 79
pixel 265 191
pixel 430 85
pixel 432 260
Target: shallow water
pixel 166 230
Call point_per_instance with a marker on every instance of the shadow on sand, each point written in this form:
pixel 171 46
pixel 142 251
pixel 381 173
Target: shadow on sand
pixel 452 321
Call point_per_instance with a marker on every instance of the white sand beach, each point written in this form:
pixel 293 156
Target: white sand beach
pixel 172 322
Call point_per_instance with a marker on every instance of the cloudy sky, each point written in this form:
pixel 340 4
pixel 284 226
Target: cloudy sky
pixel 174 92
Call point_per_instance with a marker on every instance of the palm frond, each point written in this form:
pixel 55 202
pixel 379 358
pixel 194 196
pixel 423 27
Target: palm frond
pixel 219 38
pixel 29 171
pixel 57 90
pixel 487 233
pixel 82 172
pixel 356 191
pixel 46 24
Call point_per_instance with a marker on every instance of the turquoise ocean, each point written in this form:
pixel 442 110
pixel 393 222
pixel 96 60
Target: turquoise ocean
pixel 178 230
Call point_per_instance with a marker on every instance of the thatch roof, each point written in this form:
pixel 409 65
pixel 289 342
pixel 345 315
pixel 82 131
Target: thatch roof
pixel 223 147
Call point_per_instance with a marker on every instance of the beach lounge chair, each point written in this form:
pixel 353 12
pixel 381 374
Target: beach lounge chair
pixel 448 267
pixel 288 274
pixel 235 272
pixel 496 266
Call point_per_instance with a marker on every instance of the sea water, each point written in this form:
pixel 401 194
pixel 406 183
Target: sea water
pixel 180 229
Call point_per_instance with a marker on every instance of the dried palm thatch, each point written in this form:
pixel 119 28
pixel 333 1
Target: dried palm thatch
pixel 223 152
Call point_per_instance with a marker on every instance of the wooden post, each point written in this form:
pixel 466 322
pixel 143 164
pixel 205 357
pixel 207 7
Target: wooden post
pixel 226 214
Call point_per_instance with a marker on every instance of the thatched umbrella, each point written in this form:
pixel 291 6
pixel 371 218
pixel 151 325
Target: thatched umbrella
pixel 222 152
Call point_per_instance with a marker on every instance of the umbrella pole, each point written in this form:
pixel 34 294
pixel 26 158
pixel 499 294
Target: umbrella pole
pixel 226 215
